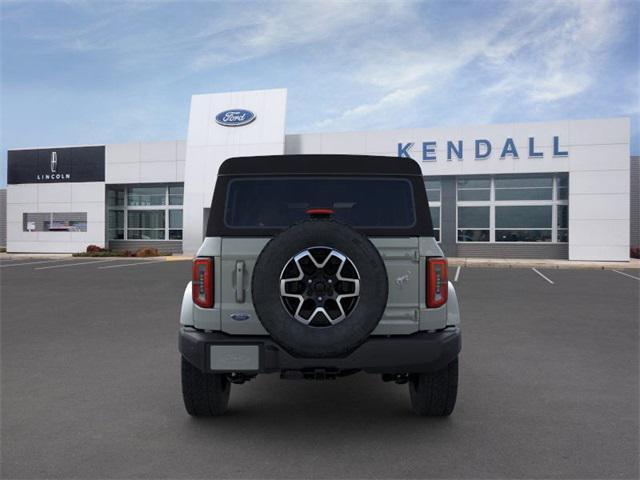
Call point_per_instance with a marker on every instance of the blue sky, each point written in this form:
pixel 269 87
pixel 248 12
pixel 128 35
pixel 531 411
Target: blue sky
pixel 94 72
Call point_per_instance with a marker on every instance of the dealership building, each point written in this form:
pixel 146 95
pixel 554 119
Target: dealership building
pixel 562 189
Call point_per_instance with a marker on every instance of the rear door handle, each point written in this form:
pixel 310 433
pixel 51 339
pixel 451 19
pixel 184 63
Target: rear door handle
pixel 240 281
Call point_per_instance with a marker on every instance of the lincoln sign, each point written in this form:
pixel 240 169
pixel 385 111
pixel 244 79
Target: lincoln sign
pixel 56 165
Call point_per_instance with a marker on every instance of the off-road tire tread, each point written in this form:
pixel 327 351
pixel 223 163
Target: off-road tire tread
pixel 433 394
pixel 204 394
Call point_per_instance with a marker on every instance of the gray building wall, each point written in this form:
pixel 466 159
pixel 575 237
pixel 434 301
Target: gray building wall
pixel 635 201
pixel 163 246
pixel 3 217
pixel 511 250
pixel 448 216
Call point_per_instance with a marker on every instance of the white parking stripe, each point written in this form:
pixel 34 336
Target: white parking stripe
pixel 74 264
pixel 32 263
pixel 546 278
pixel 627 275
pixel 457 274
pixel 141 262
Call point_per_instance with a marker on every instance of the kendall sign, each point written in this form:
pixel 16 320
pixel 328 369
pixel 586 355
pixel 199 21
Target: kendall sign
pixel 482 150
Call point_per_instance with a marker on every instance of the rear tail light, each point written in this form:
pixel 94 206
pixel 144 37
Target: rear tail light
pixel 202 282
pixel 437 283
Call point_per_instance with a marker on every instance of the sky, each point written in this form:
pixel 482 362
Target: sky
pixel 94 72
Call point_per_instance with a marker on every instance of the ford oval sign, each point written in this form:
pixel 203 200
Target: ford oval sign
pixel 235 118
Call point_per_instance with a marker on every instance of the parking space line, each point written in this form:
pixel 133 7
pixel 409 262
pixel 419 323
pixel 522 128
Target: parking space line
pixel 142 262
pixel 455 279
pixel 32 263
pixel 546 278
pixel 73 264
pixel 626 275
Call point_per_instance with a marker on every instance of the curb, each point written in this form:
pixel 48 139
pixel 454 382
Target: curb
pixel 547 265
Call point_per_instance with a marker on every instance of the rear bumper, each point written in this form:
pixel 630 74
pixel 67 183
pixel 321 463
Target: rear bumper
pixel 420 352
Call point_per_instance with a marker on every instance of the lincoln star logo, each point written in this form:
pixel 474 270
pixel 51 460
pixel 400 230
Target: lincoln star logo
pixel 235 118
pixel 55 175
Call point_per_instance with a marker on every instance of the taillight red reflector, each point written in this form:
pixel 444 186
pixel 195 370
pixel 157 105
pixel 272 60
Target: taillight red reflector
pixel 202 282
pixel 437 282
pixel 320 211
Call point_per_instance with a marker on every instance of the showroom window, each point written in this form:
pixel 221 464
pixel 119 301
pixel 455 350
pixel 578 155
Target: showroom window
pixel 54 222
pixel 474 189
pixel 473 224
pixel 144 212
pixel 563 223
pixel 513 208
pixel 434 195
pixel 523 188
pixel 530 223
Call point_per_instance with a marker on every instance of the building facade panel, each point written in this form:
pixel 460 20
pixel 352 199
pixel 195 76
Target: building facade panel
pixel 209 143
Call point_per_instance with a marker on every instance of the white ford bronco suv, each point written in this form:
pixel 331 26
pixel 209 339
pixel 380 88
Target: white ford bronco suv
pixel 319 266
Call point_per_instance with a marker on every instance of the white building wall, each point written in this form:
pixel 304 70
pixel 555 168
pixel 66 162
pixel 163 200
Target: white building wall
pixel 209 144
pixel 151 162
pixel 57 197
pixel 597 163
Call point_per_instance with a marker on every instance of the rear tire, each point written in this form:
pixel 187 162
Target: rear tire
pixel 433 394
pixel 204 394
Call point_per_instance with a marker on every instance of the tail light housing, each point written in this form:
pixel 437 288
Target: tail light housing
pixel 437 282
pixel 202 282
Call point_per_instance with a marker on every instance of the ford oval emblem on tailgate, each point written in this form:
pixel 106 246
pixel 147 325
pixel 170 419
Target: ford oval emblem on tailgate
pixel 235 118
pixel 240 316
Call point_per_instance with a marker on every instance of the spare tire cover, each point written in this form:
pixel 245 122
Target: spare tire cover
pixel 319 288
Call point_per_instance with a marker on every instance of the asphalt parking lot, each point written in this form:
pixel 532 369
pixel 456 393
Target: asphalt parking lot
pixel 91 388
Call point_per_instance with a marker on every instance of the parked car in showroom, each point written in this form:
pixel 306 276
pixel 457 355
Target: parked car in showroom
pixel 316 267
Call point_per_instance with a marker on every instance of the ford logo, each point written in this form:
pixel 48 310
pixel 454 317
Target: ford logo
pixel 240 317
pixel 235 118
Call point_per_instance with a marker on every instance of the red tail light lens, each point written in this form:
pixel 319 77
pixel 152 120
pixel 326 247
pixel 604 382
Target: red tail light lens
pixel 202 282
pixel 437 282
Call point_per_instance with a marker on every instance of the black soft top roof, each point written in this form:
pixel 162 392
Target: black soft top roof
pixel 320 164
pixel 235 169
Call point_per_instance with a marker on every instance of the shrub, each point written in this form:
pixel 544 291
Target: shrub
pixel 635 251
pixel 102 253
pixel 95 251
pixel 147 252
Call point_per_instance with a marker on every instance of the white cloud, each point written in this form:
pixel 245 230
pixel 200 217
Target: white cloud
pixel 287 25
pixel 391 101
pixel 538 52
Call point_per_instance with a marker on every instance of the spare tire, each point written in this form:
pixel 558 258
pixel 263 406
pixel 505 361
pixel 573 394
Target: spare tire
pixel 319 288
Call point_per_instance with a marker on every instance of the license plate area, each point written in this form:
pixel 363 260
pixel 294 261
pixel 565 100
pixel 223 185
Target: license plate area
pixel 234 358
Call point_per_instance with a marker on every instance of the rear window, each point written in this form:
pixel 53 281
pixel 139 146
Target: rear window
pixel 282 201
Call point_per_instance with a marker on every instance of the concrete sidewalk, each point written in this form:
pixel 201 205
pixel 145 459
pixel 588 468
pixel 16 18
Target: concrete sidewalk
pixel 62 256
pixel 28 256
pixel 634 263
